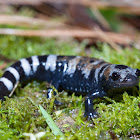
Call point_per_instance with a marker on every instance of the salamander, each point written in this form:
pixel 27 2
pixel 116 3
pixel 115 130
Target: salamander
pixel 87 76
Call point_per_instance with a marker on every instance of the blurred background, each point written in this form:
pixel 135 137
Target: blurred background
pixel 110 21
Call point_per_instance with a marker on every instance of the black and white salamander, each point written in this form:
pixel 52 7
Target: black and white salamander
pixel 83 75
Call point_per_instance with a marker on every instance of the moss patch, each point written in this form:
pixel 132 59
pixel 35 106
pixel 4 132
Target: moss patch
pixel 19 114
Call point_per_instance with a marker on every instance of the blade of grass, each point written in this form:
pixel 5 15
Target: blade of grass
pixel 32 102
pixel 50 122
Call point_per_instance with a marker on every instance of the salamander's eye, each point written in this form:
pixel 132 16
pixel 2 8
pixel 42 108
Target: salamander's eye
pixel 115 76
pixel 137 72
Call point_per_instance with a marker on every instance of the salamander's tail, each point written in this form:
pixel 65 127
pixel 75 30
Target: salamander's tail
pixel 18 72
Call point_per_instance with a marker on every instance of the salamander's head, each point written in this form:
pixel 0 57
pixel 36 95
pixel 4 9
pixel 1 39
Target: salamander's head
pixel 121 77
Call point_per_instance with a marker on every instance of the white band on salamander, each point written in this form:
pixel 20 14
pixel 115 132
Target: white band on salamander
pixel 7 83
pixel 35 63
pixel 72 65
pixel 86 71
pixel 14 72
pixel 51 62
pixel 26 66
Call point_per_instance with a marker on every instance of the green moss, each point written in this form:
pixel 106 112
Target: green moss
pixel 18 47
pixel 19 114
pixel 112 17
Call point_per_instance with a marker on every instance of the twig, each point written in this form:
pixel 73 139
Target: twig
pixel 104 36
pixel 115 37
pixel 122 5
pixel 3 66
pixel 15 86
pixel 28 21
pixel 101 19
pixel 17 2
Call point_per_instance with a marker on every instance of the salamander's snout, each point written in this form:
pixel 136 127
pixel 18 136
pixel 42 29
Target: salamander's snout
pixel 130 80
pixel 137 72
pixel 126 81
pixel 124 76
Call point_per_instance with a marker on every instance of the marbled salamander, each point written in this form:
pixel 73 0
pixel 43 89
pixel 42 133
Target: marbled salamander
pixel 87 76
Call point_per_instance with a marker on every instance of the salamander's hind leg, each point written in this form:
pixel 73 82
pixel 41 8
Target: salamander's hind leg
pixel 51 92
pixel 89 111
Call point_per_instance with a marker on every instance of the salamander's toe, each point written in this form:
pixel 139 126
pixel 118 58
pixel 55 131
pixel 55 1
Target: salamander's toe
pixel 91 115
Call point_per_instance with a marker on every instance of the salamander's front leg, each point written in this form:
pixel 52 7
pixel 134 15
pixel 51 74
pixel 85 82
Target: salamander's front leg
pixel 50 93
pixel 89 111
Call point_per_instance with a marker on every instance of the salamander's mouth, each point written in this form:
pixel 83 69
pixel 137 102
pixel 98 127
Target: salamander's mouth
pixel 126 83
pixel 120 87
pixel 130 81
